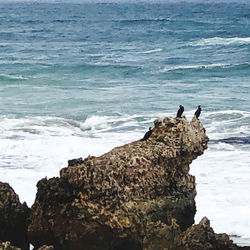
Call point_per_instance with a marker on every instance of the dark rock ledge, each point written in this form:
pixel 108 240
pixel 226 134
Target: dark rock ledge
pixel 13 219
pixel 137 196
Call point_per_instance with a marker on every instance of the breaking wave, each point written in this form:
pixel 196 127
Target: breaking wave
pixel 215 66
pixel 222 41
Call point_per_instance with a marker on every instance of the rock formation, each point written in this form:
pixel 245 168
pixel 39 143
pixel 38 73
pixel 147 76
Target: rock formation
pixel 137 196
pixel 202 236
pixel 7 246
pixel 13 218
pixel 129 198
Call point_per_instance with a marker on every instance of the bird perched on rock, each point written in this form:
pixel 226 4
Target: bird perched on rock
pixel 147 135
pixel 198 112
pixel 180 112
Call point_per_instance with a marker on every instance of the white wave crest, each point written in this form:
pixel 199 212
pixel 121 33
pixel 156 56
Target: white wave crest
pixel 150 51
pixel 96 123
pixel 207 66
pixel 226 123
pixel 221 41
pixel 13 77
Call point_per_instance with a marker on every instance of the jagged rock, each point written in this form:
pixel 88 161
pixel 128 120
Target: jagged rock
pixel 158 123
pixel 202 237
pixel 13 217
pixel 7 246
pixel 137 196
pixel 75 161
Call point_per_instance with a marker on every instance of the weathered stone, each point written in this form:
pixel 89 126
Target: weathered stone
pixel 202 237
pixel 13 217
pixel 45 247
pixel 158 123
pixel 137 196
pixel 75 161
pixel 7 246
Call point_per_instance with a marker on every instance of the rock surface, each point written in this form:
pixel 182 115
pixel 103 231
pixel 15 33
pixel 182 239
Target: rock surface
pixel 196 237
pixel 202 237
pixel 13 217
pixel 45 247
pixel 7 246
pixel 128 198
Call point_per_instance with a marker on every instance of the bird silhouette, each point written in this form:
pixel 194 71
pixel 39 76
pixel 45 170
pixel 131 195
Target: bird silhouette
pixel 198 112
pixel 180 112
pixel 147 135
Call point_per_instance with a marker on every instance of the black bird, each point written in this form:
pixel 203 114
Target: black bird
pixel 180 111
pixel 198 112
pixel 147 135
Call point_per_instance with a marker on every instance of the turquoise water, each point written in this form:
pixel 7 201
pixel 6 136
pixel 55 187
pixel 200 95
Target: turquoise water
pixel 81 78
pixel 70 60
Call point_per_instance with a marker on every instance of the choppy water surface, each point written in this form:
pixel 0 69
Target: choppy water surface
pixel 79 79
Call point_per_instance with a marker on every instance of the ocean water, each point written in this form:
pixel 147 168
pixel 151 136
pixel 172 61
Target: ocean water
pixel 78 79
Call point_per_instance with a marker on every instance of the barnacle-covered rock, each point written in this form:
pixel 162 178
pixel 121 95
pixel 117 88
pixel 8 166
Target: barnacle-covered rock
pixel 132 197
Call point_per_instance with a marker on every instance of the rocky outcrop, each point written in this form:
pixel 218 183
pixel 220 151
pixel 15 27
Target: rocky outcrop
pixel 129 198
pixel 196 237
pixel 13 218
pixel 202 236
pixel 7 246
